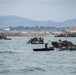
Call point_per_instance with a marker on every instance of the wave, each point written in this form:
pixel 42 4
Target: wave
pixel 5 71
pixel 31 69
pixel 10 52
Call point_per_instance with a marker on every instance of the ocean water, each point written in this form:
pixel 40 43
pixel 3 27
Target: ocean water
pixel 18 58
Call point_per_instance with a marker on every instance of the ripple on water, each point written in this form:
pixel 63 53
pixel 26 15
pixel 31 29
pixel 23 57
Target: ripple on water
pixel 8 52
pixel 32 69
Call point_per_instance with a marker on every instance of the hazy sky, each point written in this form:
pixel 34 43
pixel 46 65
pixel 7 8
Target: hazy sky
pixel 56 10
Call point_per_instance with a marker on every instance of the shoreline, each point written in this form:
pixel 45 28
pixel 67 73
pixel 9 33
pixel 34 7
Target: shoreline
pixel 18 33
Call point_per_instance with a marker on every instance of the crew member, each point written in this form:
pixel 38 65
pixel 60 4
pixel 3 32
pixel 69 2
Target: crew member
pixel 60 44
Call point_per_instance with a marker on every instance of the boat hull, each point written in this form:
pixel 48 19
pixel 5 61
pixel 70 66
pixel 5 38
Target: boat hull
pixel 52 49
pixel 7 39
pixel 43 49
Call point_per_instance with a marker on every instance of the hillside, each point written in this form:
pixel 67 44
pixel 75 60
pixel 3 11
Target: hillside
pixel 6 21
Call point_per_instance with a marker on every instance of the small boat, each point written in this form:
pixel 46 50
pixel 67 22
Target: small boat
pixel 7 39
pixel 36 40
pixel 44 49
pixel 52 49
pixel 4 37
pixel 66 45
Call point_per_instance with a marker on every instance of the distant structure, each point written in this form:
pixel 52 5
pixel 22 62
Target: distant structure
pixel 71 29
pixel 6 29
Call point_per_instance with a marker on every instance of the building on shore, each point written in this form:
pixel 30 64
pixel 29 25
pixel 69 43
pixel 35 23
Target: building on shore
pixel 71 29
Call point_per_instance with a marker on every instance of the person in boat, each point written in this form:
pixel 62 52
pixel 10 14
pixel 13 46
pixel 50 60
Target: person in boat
pixel 46 45
pixel 40 40
pixel 60 44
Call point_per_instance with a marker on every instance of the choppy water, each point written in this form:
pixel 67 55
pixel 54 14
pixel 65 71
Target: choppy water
pixel 18 58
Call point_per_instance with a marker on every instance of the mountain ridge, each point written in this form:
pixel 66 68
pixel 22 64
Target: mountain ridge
pixel 6 21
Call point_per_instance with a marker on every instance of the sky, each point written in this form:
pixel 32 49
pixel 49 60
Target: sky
pixel 40 10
